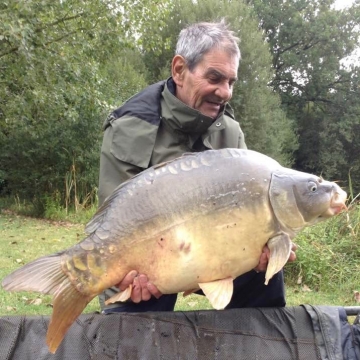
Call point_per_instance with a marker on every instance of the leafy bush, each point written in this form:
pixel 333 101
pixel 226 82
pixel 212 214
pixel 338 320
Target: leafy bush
pixel 329 254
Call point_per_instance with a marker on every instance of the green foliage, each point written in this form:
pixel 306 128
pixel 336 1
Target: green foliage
pixel 65 65
pixel 57 84
pixel 256 106
pixel 328 254
pixel 310 42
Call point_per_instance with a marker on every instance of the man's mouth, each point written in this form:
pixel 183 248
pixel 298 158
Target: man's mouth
pixel 217 103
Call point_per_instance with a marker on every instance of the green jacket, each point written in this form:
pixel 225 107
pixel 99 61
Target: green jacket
pixel 155 126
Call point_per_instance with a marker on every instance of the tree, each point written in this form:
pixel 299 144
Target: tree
pixel 64 65
pixel 309 41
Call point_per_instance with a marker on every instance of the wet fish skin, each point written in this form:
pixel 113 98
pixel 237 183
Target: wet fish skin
pixel 196 222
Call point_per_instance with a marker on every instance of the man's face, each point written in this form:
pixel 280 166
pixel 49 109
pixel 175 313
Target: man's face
pixel 209 85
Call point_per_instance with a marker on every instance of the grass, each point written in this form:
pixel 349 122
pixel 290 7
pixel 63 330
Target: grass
pixel 328 257
pixel 24 239
pixel 325 273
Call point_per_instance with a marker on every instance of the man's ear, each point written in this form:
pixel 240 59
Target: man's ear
pixel 178 67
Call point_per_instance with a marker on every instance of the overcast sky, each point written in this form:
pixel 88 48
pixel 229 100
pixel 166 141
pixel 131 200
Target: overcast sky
pixel 355 57
pixel 339 4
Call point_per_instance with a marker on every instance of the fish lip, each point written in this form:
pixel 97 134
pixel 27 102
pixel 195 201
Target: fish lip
pixel 337 205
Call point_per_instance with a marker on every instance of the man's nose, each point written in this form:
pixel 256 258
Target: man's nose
pixel 224 91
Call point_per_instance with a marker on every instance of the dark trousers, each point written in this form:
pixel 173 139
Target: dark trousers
pixel 249 291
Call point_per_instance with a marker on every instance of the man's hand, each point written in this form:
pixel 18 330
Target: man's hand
pixel 142 289
pixel 264 258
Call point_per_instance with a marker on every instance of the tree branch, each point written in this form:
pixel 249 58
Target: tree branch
pixel 37 30
pixel 62 20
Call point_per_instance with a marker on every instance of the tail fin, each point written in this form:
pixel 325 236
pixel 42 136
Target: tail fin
pixel 45 275
pixel 68 305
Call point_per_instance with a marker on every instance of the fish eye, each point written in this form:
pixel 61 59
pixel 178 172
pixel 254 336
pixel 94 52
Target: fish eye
pixel 312 186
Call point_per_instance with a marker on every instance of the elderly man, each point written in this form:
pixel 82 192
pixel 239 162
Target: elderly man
pixel 188 112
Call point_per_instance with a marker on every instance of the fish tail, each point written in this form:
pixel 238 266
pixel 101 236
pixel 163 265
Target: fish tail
pixel 42 275
pixel 45 275
pixel 68 304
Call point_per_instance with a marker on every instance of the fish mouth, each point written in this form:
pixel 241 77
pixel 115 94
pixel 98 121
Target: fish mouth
pixel 337 204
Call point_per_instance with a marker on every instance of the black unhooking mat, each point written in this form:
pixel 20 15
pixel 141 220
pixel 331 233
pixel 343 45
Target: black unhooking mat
pixel 291 333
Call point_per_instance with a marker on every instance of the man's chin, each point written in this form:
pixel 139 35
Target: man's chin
pixel 212 113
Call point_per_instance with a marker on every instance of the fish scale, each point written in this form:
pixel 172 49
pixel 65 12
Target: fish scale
pixel 196 222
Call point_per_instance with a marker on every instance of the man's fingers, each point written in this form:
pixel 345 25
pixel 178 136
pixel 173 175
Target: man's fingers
pixel 263 261
pixel 136 291
pixel 145 293
pixel 292 256
pixel 154 291
pixel 141 288
pixel 127 280
pixel 266 251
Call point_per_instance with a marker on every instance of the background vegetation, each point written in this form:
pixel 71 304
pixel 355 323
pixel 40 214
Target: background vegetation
pixel 326 271
pixel 64 65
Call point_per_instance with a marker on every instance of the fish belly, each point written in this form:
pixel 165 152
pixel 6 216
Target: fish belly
pixel 203 249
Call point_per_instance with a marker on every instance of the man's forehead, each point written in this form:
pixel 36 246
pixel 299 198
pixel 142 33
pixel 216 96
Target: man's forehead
pixel 220 61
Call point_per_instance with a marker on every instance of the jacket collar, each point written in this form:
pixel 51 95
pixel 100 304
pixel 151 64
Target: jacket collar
pixel 182 118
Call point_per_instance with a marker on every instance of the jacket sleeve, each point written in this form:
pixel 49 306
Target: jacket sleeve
pixel 126 150
pixel 236 129
pixel 112 170
pixel 241 144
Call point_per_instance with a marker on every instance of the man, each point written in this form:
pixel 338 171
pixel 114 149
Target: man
pixel 187 113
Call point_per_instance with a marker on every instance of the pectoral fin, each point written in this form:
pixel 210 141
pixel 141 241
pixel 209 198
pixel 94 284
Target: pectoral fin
pixel 218 292
pixel 280 248
pixel 120 296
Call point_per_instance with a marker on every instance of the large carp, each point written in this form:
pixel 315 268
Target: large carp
pixel 198 221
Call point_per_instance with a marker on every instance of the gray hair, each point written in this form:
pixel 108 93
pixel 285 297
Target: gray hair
pixel 197 39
